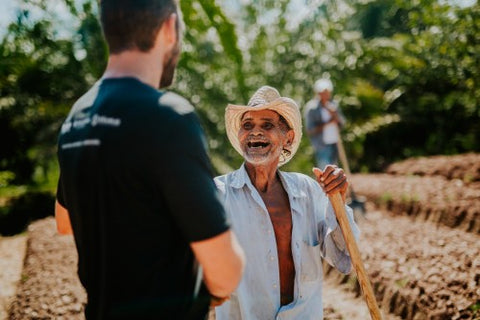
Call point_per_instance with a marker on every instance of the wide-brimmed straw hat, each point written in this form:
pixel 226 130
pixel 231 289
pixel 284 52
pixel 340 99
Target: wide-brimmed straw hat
pixel 266 98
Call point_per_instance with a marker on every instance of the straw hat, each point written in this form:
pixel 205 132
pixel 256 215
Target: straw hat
pixel 266 98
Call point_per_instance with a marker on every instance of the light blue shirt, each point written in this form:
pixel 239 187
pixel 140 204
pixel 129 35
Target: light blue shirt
pixel 315 235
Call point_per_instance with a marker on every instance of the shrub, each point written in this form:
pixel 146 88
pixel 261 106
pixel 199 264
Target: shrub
pixel 21 210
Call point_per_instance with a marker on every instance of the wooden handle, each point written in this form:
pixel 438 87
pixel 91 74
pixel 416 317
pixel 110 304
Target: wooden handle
pixel 339 208
pixel 342 154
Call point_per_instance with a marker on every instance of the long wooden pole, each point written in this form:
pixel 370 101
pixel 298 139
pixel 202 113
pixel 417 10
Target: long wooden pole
pixel 339 208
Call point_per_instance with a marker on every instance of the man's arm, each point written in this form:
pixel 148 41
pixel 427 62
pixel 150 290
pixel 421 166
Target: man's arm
pixel 63 219
pixel 222 260
pixel 311 127
pixel 336 113
pixel 186 173
pixel 333 180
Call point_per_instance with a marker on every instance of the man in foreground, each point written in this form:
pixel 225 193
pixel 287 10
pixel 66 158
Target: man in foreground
pixel 284 221
pixel 136 182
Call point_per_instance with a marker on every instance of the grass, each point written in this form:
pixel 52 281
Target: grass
pixel 24 278
pixel 385 198
pixel 475 308
pixel 407 198
pixel 467 178
pixel 401 283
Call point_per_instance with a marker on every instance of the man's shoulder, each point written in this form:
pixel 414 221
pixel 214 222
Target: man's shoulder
pixel 176 102
pixel 224 179
pixel 310 105
pixel 299 180
pixel 296 177
pixel 235 179
pixel 334 105
pixel 86 100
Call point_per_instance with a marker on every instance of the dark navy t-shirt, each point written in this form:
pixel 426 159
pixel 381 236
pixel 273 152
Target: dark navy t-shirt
pixel 137 182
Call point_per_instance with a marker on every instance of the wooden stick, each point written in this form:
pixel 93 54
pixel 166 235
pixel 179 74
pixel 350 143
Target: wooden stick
pixel 339 208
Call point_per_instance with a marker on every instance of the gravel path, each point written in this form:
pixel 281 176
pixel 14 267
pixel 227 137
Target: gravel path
pixel 50 288
pixel 12 253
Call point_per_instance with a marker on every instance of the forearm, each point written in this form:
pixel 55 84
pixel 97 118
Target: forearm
pixel 335 246
pixel 223 261
pixel 62 219
pixel 315 129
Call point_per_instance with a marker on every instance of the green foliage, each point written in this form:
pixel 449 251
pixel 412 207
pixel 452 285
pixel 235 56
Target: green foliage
pixel 20 211
pixel 40 77
pixel 405 73
pixel 5 178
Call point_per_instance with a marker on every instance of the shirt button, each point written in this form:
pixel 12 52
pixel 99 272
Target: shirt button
pixel 275 286
pixel 272 258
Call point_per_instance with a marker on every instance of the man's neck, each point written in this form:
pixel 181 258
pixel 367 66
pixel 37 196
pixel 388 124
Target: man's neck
pixel 263 178
pixel 146 67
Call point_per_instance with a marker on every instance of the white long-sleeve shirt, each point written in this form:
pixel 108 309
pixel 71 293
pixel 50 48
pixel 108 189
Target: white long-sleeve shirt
pixel 315 235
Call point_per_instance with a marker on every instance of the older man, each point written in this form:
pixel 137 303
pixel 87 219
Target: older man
pixel 284 221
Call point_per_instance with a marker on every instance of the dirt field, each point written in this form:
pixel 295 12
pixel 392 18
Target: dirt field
pixel 420 244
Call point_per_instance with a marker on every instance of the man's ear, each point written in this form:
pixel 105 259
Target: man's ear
pixel 289 137
pixel 169 29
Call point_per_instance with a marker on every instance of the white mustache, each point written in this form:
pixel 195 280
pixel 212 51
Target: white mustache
pixel 257 139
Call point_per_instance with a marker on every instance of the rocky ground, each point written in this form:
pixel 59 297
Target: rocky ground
pixel 49 287
pixel 12 253
pixel 420 244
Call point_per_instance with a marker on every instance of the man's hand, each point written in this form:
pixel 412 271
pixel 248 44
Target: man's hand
pixel 217 301
pixel 332 179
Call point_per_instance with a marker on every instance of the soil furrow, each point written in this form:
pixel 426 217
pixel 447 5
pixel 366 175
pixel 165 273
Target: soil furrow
pixel 436 199
pixel 419 270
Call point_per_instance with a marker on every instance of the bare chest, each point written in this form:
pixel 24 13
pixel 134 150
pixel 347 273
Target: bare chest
pixel 278 207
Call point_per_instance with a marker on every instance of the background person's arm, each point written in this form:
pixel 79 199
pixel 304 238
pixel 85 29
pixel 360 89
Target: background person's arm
pixel 222 260
pixel 63 219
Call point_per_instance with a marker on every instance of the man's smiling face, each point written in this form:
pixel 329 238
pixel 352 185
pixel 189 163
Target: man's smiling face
pixel 263 136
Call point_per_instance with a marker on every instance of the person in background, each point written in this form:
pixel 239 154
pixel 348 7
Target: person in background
pixel 323 120
pixel 284 220
pixel 136 186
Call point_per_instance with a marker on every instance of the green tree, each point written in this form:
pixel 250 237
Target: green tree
pixel 40 77
pixel 405 74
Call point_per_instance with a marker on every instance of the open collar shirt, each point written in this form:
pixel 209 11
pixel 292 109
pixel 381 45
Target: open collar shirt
pixel 315 235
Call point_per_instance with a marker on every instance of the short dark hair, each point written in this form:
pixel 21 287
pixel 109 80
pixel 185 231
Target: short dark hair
pixel 133 24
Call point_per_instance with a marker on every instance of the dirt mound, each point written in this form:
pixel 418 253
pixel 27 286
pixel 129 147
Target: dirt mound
pixel 465 167
pixel 418 270
pixel 432 198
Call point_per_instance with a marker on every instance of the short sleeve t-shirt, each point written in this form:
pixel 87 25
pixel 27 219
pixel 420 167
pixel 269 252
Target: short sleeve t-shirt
pixel 137 182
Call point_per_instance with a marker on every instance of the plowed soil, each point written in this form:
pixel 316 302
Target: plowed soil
pixel 420 244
